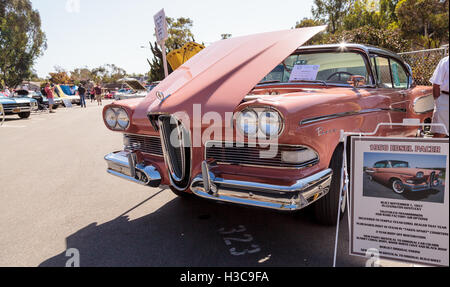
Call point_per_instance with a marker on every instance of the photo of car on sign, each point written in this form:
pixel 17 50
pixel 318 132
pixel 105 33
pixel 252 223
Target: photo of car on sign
pixel 404 176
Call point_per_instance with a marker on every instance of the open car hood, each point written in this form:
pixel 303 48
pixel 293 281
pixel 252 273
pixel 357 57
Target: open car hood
pixel 220 76
pixel 133 84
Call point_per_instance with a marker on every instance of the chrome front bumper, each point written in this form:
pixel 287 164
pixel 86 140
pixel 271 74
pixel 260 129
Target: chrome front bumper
pixel 297 196
pixel 206 185
pixel 123 164
pixel 16 110
pixel 425 186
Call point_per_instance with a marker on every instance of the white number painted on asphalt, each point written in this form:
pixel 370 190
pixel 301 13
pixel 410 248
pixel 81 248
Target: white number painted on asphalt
pixel 247 238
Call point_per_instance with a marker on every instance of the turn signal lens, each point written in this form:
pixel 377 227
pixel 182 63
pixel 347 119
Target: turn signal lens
pixel 299 156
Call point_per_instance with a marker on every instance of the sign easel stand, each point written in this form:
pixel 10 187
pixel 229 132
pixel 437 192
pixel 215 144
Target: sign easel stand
pixel 344 174
pixel 2 113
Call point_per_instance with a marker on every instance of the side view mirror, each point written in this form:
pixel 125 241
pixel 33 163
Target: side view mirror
pixel 357 81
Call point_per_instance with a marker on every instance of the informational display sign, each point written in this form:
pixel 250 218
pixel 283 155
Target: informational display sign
pixel 161 26
pixel 67 103
pixel 399 199
pixel 304 73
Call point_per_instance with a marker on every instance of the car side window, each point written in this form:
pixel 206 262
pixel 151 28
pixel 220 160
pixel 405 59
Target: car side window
pixel 399 75
pixel 380 165
pixel 383 69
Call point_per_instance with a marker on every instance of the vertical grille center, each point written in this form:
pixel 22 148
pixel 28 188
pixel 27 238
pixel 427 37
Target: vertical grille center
pixel 176 148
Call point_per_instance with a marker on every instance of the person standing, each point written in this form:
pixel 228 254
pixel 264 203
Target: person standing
pixel 82 94
pixel 92 94
pixel 440 94
pixel 98 94
pixel 6 92
pixel 49 92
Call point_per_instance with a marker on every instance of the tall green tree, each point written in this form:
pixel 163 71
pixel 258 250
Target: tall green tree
pixel 108 73
pixel 308 22
pixel 425 22
pixel 179 31
pixel 21 41
pixel 378 14
pixel 225 36
pixel 331 12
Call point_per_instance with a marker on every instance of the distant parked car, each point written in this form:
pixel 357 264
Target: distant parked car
pixel 19 105
pixel 399 176
pixel 65 92
pixel 40 98
pixel 137 90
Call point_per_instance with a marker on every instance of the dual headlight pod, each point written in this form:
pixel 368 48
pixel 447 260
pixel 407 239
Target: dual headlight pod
pixel 265 122
pixel 117 119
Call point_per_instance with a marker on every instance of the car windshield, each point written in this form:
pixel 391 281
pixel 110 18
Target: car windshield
pixel 399 164
pixel 327 68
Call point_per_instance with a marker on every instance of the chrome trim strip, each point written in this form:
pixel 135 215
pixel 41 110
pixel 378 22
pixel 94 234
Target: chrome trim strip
pixel 297 196
pixel 415 102
pixel 343 114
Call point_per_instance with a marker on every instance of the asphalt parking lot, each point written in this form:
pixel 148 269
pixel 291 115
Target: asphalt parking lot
pixel 56 195
pixel 375 189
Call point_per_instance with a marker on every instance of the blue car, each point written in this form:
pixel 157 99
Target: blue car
pixel 19 105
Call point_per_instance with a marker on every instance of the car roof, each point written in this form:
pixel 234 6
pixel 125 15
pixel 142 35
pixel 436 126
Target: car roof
pixel 368 49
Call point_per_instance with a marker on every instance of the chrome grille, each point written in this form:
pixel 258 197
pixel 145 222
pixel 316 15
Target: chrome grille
pixel 145 144
pixel 174 153
pixel 253 155
pixel 16 105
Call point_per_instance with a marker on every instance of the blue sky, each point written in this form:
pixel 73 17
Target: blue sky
pixel 414 160
pixel 112 31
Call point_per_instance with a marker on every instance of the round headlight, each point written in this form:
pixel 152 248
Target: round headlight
pixel 122 119
pixel 111 118
pixel 419 174
pixel 270 123
pixel 247 122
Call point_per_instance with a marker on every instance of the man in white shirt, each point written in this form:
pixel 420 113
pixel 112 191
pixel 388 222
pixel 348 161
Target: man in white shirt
pixel 440 94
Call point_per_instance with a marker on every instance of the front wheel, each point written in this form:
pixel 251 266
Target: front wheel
pixel 398 186
pixel 326 209
pixel 24 115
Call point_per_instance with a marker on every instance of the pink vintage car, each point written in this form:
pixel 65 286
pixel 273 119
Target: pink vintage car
pixel 256 120
pixel 399 176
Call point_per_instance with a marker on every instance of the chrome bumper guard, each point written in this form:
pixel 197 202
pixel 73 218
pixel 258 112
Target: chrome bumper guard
pixel 297 196
pixel 425 186
pixel 123 164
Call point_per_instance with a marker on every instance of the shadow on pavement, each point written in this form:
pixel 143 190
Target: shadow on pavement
pixel 185 232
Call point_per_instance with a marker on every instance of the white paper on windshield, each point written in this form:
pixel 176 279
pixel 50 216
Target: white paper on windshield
pixel 304 73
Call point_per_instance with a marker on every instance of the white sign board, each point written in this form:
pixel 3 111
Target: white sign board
pixel 67 103
pixel 160 26
pixel 399 199
pixel 304 73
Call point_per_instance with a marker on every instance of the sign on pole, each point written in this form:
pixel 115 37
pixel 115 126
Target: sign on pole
pixel 162 35
pixel 399 199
